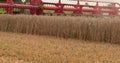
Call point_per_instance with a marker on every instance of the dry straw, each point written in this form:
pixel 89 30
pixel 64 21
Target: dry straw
pixel 83 28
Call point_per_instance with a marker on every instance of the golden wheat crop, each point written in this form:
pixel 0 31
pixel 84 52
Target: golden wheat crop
pixel 83 28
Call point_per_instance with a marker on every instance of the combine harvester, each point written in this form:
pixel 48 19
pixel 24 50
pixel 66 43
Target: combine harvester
pixel 37 7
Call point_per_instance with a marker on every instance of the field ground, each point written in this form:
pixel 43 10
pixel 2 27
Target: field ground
pixel 20 48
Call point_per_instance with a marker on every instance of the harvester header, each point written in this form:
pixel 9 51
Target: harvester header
pixel 37 7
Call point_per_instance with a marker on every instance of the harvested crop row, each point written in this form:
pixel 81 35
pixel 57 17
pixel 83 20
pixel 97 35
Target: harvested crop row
pixel 83 28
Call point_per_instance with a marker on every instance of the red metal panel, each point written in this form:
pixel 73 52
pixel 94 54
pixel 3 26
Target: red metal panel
pixel 39 10
pixel 33 3
pixel 9 9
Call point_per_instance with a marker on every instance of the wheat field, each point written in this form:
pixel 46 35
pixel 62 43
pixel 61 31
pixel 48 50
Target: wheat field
pixel 47 39
pixel 23 48
pixel 84 28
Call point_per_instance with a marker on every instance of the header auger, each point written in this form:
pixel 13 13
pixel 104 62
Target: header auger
pixel 37 7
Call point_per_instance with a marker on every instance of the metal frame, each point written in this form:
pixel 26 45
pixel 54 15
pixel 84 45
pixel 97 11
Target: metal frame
pixel 37 7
